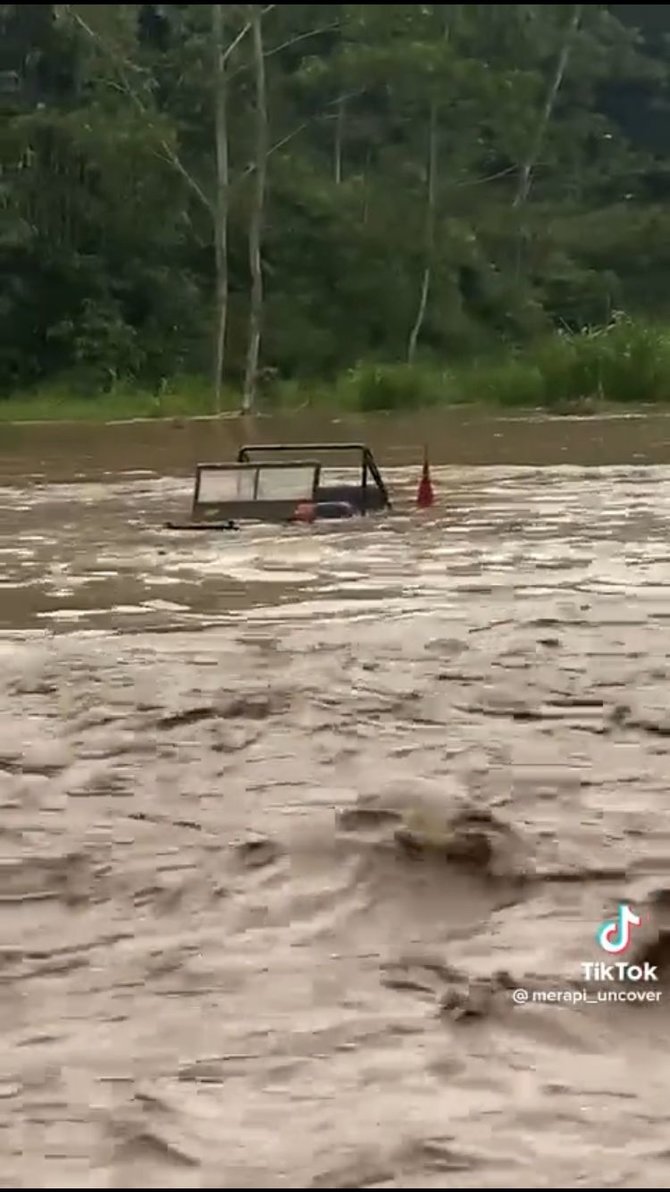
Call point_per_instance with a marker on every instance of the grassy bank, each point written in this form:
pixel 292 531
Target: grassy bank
pixel 627 364
pixel 187 397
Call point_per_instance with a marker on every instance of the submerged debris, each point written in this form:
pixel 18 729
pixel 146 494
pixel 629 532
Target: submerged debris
pixel 471 837
pixel 474 1000
pixel 255 851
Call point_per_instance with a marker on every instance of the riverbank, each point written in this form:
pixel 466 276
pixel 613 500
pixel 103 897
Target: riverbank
pixel 626 364
pixel 55 403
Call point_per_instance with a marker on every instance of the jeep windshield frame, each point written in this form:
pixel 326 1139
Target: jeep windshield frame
pixel 363 456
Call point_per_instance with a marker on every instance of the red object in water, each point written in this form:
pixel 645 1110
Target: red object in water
pixel 425 496
pixel 304 512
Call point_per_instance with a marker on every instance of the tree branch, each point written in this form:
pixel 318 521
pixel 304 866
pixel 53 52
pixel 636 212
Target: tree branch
pixel 235 42
pixel 252 167
pixel 294 133
pixel 291 41
pixel 487 178
pixel 526 172
pixel 285 45
pixel 171 156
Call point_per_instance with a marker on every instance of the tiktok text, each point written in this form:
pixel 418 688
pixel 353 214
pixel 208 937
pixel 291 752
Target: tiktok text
pixel 597 970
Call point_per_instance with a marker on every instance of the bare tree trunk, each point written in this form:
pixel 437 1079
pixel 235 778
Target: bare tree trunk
pixel 526 172
pixel 257 214
pixel 222 197
pixel 339 137
pixel 430 234
pixel 365 214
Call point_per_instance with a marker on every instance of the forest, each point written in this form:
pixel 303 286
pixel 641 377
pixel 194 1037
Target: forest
pixel 379 205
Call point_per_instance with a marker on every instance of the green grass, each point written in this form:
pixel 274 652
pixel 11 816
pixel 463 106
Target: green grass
pixel 625 363
pixel 368 388
pixel 186 397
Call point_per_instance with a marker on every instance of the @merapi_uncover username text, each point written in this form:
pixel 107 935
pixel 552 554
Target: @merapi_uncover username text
pixel 573 997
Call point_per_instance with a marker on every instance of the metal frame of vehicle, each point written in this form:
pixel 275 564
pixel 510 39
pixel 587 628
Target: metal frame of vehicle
pixel 364 498
pixel 309 501
pixel 253 506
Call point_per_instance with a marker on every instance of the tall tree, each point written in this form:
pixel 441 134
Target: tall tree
pixel 431 195
pixel 257 211
pixel 222 195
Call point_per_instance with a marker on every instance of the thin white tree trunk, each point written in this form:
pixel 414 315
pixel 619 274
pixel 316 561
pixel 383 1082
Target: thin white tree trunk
pixel 430 235
pixel 257 215
pixel 222 199
pixel 339 138
pixel 420 314
pixel 526 172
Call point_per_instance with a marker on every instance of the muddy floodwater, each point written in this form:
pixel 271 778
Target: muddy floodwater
pixel 288 818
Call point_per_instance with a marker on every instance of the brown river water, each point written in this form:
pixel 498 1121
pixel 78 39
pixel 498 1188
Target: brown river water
pixel 287 816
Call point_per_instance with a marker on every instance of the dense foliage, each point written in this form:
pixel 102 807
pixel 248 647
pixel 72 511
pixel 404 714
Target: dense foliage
pixel 423 182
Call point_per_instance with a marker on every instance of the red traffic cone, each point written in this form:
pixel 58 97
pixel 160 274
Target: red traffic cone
pixel 425 496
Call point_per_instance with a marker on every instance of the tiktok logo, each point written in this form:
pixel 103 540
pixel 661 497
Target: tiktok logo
pixel 614 934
